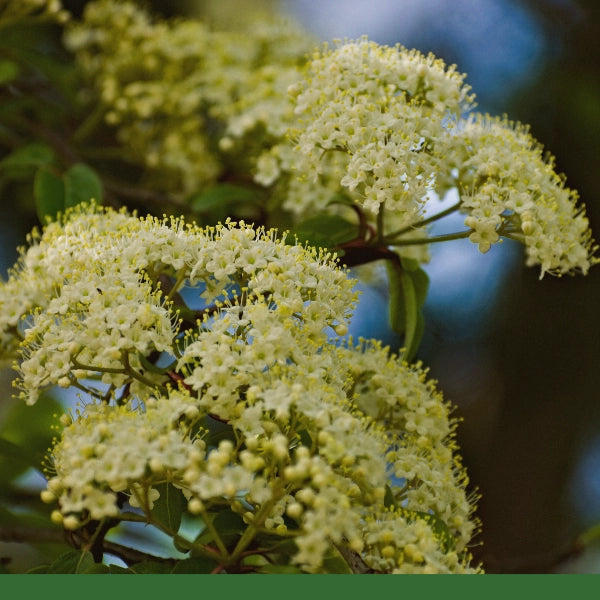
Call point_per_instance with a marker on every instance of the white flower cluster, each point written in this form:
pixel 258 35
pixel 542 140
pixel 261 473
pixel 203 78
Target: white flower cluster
pixel 387 126
pixel 508 188
pixel 331 444
pixel 173 88
pixel 370 117
pixel 384 109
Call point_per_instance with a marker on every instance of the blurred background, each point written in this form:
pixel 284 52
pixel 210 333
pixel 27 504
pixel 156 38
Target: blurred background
pixel 518 356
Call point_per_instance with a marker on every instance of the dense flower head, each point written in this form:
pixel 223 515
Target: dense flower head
pixel 389 128
pixel 378 112
pixel 173 87
pixel 207 361
pixel 509 187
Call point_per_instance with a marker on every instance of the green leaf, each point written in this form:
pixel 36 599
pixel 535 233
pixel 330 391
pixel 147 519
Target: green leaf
pixel 221 195
pixel 280 570
pixel 30 156
pixel 39 570
pixel 325 231
pixel 48 193
pixel 227 521
pixel 437 524
pixel 118 570
pixel 151 567
pixel 408 286
pixel 26 431
pixel 196 564
pixel 334 563
pixel 16 456
pixel 229 526
pixel 72 562
pixel 97 569
pixel 9 70
pixel 389 501
pixel 169 507
pixel 82 184
pixel 224 200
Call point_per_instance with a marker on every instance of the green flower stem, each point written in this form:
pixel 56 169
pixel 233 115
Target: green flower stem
pixel 254 527
pixel 178 283
pixel 92 392
pixel 380 223
pixel 126 370
pixel 215 534
pixel 459 235
pixel 135 375
pixel 184 543
pixel 422 223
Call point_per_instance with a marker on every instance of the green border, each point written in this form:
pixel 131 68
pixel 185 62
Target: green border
pixel 282 587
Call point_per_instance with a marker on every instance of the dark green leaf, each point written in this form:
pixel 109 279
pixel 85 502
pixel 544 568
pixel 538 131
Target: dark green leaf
pixel 229 526
pixel 437 524
pixel 217 431
pixel 39 50
pixel 32 155
pixel 388 500
pixel 48 193
pixel 169 507
pixel 325 231
pixel 28 428
pixel 72 562
pixel 82 184
pixel 227 521
pixel 197 564
pixel 17 457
